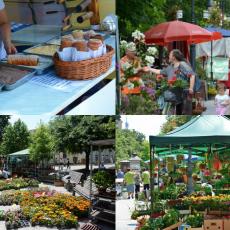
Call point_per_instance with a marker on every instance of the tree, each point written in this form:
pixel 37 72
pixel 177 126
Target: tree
pixel 4 121
pixel 127 143
pixel 16 137
pixel 41 147
pixel 174 122
pixel 136 14
pixel 73 133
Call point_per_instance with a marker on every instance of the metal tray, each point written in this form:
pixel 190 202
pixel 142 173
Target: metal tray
pixel 19 82
pixel 30 50
pixel 45 63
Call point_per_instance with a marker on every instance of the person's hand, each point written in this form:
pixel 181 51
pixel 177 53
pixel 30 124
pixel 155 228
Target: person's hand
pixel 146 69
pixel 10 48
pixel 191 91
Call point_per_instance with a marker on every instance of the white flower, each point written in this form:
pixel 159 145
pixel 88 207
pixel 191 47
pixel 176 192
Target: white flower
pixel 150 60
pixel 123 44
pixel 152 51
pixel 141 82
pixel 126 66
pixel 131 46
pixel 137 35
pixel 130 85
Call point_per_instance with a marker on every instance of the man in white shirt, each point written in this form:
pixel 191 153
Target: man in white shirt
pixel 6 47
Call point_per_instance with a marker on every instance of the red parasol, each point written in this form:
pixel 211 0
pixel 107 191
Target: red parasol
pixel 167 32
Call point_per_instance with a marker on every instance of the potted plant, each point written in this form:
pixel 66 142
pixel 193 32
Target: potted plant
pixel 103 180
pixel 195 221
pixel 202 165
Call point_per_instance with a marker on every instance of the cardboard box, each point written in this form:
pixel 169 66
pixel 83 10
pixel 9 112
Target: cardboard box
pixel 214 224
pixel 226 224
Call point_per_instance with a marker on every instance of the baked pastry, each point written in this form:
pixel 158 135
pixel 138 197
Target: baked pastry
pixel 94 44
pixel 27 60
pixel 80 45
pixel 78 34
pixel 98 36
pixel 89 34
pixel 66 42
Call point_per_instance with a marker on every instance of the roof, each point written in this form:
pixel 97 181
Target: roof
pixel 19 153
pixel 200 130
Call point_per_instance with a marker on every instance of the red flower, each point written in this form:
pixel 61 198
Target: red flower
pixel 172 80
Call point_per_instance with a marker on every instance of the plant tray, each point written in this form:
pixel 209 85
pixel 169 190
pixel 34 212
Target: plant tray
pixel 173 226
pixel 218 212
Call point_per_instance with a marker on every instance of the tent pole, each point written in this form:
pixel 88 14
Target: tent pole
pixel 211 61
pixel 152 149
pixel 190 182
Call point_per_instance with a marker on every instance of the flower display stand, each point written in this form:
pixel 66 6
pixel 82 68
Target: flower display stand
pixel 104 208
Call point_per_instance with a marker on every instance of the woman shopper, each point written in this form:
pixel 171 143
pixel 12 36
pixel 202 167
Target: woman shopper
pixel 178 68
pixel 6 47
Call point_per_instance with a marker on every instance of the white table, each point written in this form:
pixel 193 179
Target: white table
pixel 101 103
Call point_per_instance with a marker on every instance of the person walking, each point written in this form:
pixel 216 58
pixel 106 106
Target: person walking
pixel 137 179
pixel 68 164
pixel 130 183
pixel 146 181
pixel 6 46
pixel 120 174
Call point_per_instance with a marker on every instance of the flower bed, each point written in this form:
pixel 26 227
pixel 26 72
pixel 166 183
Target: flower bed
pixel 17 183
pixel 49 208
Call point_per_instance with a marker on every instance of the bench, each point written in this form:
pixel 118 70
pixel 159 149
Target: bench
pixel 73 177
pixel 85 189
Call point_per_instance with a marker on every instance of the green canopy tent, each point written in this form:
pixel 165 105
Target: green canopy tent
pixel 201 131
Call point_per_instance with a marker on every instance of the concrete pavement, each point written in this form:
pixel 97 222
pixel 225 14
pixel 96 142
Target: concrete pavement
pixel 124 209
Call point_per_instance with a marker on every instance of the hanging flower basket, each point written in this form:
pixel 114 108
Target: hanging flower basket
pixel 180 158
pixel 202 165
pixel 156 161
pixel 170 159
pixel 170 167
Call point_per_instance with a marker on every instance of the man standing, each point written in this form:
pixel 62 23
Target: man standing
pixel 130 184
pixel 6 47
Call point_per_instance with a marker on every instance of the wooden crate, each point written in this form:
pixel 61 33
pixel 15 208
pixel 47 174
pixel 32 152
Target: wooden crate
pixel 172 227
pixel 214 224
pixel 226 224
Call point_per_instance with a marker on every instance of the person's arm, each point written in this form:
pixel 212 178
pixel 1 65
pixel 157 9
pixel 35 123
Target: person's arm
pixel 192 83
pixel 151 70
pixel 6 33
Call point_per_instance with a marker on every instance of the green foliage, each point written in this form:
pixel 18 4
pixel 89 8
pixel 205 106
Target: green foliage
pixel 16 137
pixel 103 179
pixel 4 121
pixel 195 221
pixel 41 147
pixel 73 133
pixel 127 143
pixel 173 122
pixel 136 14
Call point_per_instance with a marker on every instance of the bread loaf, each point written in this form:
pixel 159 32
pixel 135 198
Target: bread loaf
pixel 27 60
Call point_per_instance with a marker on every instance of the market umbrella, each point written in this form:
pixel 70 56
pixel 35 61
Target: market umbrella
pixel 167 32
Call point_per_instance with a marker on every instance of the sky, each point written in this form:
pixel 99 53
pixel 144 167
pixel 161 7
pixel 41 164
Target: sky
pixel 32 122
pixel 146 124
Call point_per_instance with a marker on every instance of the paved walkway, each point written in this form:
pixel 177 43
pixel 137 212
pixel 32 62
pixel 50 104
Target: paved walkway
pixel 124 210
pixel 211 110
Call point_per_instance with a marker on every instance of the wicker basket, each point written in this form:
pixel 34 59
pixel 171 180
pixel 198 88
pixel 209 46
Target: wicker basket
pixel 82 70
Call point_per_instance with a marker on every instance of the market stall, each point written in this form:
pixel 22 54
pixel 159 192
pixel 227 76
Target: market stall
pixel 186 201
pixel 61 64
pixel 206 135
